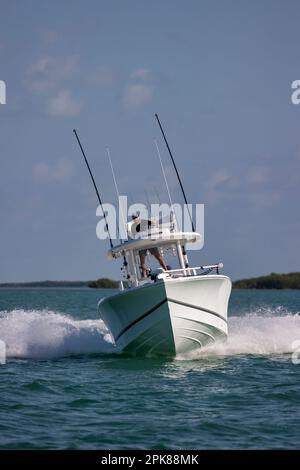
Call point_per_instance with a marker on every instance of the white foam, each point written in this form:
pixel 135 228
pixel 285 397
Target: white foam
pixel 270 333
pixel 45 334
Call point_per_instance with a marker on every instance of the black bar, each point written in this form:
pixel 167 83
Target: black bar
pixel 138 458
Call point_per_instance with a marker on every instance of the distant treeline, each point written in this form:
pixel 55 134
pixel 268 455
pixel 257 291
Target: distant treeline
pixel 103 283
pixel 272 281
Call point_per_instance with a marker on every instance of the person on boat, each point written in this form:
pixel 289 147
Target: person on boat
pixel 153 251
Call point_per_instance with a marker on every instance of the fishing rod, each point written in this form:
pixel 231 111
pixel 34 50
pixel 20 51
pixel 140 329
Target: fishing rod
pixel 175 167
pixel 157 195
pixel 95 186
pixel 125 262
pixel 148 200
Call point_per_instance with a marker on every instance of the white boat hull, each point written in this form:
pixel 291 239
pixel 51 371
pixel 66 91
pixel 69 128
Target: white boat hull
pixel 168 317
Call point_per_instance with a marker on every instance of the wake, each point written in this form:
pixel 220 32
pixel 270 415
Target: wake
pixel 259 333
pixel 44 334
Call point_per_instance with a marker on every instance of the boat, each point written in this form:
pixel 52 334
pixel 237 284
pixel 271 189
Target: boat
pixel 171 312
pixel 162 311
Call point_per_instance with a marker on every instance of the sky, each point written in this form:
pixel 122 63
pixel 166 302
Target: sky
pixel 219 75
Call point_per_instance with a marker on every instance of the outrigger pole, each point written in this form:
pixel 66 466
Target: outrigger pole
pixel 95 186
pixel 174 164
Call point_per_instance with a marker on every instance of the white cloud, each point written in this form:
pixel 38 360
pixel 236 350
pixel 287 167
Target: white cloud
pixel 136 96
pixel 220 177
pixel 62 170
pixel 140 74
pixel 63 104
pixel 41 171
pixel 47 72
pixel 139 90
pixel 59 172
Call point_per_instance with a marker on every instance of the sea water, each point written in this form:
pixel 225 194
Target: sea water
pixel 63 387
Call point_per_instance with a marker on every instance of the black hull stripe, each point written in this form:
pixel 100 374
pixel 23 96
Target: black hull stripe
pixel 198 308
pixel 159 305
pixel 140 318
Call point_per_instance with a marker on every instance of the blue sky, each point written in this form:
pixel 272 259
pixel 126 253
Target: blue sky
pixel 218 73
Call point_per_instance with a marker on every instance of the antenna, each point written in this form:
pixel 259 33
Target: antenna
pixel 175 167
pixel 95 186
pixel 163 172
pixel 116 187
pixel 166 181
pixel 157 195
pixel 147 199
